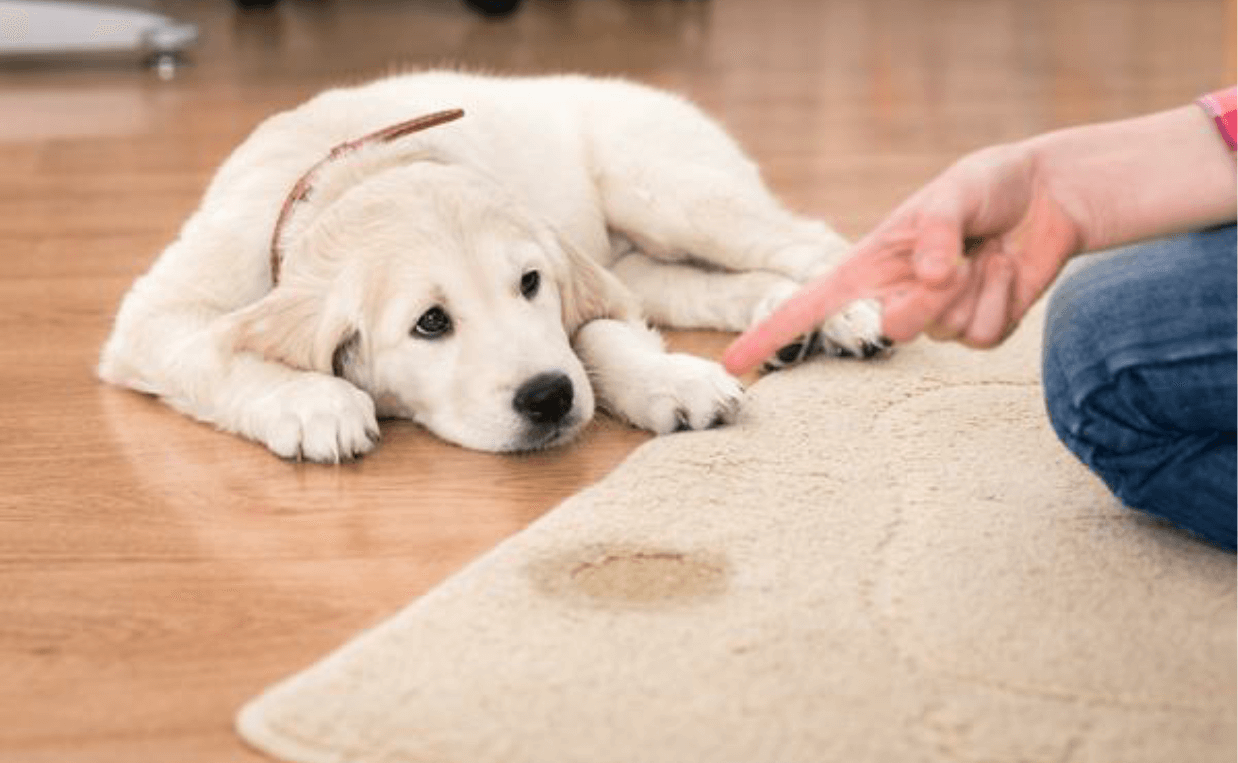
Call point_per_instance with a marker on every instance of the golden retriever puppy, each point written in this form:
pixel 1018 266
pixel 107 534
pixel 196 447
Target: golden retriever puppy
pixel 488 274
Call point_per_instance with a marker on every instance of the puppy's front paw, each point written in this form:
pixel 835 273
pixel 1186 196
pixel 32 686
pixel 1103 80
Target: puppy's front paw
pixel 316 418
pixel 681 392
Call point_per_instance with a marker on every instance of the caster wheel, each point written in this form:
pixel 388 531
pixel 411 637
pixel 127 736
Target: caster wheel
pixel 165 64
pixel 493 7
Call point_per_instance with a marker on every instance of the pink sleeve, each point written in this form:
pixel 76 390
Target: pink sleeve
pixel 1221 107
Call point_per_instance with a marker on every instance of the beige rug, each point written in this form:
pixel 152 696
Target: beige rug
pixel 890 562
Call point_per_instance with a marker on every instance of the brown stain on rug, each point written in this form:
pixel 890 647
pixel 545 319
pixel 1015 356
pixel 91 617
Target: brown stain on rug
pixel 633 576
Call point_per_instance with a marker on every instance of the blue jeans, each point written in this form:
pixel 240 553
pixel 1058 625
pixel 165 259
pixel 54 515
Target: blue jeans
pixel 1139 376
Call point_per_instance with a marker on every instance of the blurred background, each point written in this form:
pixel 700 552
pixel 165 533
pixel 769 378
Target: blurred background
pixel 847 103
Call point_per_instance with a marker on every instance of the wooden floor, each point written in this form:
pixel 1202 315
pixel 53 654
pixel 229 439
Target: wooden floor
pixel 154 574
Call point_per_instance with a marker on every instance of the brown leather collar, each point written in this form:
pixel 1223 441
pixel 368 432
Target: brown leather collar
pixel 301 191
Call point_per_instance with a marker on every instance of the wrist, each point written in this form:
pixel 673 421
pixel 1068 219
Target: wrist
pixel 1121 182
pixel 1059 179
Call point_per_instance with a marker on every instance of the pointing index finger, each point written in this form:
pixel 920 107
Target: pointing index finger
pixel 805 310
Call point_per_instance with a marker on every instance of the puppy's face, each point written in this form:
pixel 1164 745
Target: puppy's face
pixel 468 340
pixel 438 296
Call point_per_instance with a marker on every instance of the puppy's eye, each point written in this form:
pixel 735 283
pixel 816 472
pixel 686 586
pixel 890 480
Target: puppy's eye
pixel 432 324
pixel 529 284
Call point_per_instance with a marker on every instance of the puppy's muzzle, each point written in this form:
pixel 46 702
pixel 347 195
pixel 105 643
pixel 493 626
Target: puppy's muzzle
pixel 545 399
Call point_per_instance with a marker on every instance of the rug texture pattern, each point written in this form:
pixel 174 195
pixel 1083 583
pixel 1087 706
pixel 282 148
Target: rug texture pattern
pixel 882 562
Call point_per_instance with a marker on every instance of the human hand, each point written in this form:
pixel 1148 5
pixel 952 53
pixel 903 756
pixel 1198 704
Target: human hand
pixel 962 259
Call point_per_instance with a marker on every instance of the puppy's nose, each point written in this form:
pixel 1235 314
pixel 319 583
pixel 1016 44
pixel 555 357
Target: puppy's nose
pixel 544 399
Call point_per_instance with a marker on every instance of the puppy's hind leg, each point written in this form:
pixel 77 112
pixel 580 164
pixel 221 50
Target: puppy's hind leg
pixel 684 296
pixel 690 297
pixel 720 214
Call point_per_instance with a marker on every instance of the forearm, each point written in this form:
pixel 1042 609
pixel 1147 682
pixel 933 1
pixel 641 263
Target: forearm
pixel 1139 178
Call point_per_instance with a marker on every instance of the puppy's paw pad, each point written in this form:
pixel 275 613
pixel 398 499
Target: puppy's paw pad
pixel 800 349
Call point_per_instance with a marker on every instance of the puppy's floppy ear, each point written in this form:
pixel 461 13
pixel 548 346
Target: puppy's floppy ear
pixel 296 326
pixel 589 291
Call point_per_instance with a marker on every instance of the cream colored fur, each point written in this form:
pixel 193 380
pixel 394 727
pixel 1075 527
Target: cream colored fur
pixel 628 203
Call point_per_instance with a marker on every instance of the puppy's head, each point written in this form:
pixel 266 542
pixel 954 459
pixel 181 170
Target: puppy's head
pixel 436 293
